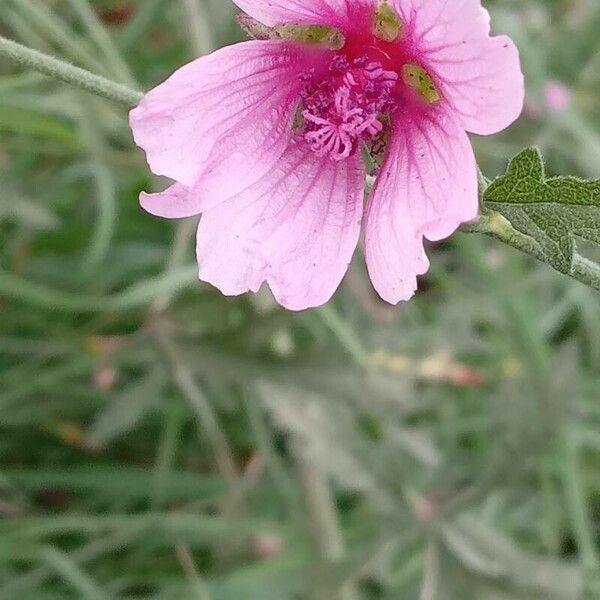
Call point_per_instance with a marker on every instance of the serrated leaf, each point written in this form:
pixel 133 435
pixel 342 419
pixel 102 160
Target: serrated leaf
pixel 553 211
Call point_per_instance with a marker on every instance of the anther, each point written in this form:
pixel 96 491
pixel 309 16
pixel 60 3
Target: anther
pixel 387 24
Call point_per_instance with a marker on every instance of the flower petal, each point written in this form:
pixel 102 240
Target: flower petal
pixel 295 229
pixel 479 75
pixel 427 188
pixel 247 91
pixel 334 13
pixel 176 202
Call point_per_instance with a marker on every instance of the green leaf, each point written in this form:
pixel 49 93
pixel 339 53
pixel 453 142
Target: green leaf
pixel 554 211
pixel 128 408
pixel 487 552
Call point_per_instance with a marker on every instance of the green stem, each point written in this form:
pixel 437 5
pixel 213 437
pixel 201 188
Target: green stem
pixel 58 69
pixel 495 225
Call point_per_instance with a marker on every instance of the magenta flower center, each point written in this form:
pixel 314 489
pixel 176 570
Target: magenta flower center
pixel 347 106
pixel 350 103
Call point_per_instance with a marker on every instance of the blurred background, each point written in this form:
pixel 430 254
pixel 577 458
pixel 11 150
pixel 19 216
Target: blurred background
pixel 160 441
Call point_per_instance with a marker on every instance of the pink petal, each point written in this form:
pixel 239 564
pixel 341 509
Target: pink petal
pixel 479 75
pixel 296 229
pixel 242 96
pixel 176 202
pixel 335 13
pixel 427 188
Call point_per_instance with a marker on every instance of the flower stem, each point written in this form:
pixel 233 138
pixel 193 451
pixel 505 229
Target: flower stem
pixel 57 69
pixel 495 225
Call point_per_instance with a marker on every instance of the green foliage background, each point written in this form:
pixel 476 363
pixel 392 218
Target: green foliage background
pixel 160 441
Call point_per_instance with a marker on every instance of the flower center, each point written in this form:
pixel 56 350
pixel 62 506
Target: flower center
pixel 347 107
pixel 375 75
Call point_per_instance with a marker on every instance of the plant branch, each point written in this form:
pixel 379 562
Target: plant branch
pixel 495 225
pixel 63 71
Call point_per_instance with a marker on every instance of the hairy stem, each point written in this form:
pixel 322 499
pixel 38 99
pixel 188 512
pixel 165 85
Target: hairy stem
pixel 495 225
pixel 58 69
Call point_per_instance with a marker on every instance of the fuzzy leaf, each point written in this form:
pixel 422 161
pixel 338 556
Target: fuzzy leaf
pixel 552 211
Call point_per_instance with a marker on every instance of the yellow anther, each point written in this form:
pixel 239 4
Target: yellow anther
pixel 330 37
pixel 419 79
pixel 388 25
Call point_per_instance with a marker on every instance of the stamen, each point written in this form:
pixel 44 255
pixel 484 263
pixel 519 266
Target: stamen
pixel 388 26
pixel 321 35
pixel 419 79
pixel 348 107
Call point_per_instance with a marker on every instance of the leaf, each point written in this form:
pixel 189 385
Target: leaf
pixel 115 482
pixel 20 120
pixel 326 432
pixel 73 575
pixel 127 409
pixel 554 211
pixel 489 553
pixel 15 207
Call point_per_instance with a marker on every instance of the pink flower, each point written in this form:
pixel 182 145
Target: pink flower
pixel 558 96
pixel 266 140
